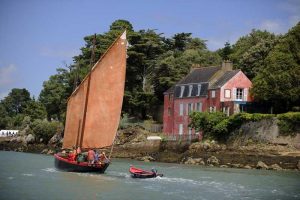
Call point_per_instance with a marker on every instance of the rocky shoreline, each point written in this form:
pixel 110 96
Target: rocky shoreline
pixel 133 144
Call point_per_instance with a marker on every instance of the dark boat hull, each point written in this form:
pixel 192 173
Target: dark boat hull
pixel 73 166
pixel 136 175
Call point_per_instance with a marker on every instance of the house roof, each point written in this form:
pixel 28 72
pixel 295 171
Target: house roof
pixel 223 79
pixel 194 90
pixel 199 75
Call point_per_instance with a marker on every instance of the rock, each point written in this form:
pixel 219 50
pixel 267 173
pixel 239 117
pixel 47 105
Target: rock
pixel 50 152
pixel 55 140
pixel 212 161
pixel 298 165
pixel 194 161
pixel 146 159
pixel 44 151
pixel 224 166
pixel 261 165
pixel 247 167
pixel 237 165
pixel 275 167
pixel 30 139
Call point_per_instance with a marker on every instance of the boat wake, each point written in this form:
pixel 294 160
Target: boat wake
pixel 51 170
pixel 27 174
pixel 118 174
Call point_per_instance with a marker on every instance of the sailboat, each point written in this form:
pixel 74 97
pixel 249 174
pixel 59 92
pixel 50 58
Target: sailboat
pixel 94 108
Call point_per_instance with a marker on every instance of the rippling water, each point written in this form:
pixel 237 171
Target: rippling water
pixel 33 176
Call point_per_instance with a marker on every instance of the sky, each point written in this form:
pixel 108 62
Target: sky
pixel 39 36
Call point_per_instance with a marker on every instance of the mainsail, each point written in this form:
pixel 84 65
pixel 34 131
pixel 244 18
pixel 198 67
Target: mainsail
pixel 94 108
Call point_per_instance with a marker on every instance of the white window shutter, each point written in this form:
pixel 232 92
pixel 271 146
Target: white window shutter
pixel 234 93
pixel 245 94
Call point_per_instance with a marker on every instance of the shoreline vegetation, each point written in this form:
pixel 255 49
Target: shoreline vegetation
pixel 245 151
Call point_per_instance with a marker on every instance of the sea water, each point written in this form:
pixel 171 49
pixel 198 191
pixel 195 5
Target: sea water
pixel 33 176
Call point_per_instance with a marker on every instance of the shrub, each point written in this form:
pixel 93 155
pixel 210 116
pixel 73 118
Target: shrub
pixel 44 129
pixel 217 126
pixel 289 123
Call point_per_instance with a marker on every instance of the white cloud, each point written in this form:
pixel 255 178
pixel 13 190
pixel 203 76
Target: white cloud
pixel 272 26
pixel 7 75
pixel 7 79
pixel 58 52
pixel 293 20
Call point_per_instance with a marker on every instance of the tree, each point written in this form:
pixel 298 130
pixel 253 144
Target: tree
pixel 35 110
pixel 54 94
pixel 279 81
pixel 226 51
pixel 16 101
pixel 250 51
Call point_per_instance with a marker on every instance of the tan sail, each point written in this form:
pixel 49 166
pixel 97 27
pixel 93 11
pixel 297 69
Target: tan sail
pixel 94 109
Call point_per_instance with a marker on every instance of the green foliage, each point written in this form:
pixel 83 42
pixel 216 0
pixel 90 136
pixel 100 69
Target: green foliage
pixel 279 81
pixel 250 51
pixel 17 106
pixel 226 51
pixel 217 126
pixel 54 94
pixel 206 122
pixel 289 123
pixel 16 101
pixel 45 130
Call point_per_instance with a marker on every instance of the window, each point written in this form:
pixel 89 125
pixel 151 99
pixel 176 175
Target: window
pixel 227 93
pixel 190 108
pixel 239 94
pixel 190 90
pixel 190 131
pixel 199 107
pixel 181 109
pixel 180 129
pixel 199 90
pixel 213 94
pixel 212 109
pixel 181 91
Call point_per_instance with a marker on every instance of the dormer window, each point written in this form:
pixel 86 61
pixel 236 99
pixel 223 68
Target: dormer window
pixel 190 90
pixel 181 91
pixel 199 90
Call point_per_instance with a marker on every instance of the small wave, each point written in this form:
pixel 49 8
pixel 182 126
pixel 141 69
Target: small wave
pixel 176 180
pixel 10 178
pixel 27 174
pixel 119 174
pixel 50 170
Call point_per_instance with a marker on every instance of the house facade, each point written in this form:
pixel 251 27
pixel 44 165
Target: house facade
pixel 216 88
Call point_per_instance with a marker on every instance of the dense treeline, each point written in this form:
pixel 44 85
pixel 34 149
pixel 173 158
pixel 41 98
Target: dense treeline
pixel 155 63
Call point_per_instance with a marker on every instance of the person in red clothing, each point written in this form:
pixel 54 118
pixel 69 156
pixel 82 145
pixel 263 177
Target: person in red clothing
pixel 72 155
pixel 90 156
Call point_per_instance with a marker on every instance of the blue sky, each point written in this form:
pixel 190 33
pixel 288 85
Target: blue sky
pixel 38 36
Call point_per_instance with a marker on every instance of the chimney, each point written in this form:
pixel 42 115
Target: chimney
pixel 226 65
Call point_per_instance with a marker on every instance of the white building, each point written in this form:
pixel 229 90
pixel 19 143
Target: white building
pixel 8 133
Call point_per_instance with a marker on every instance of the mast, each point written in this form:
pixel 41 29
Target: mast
pixel 88 91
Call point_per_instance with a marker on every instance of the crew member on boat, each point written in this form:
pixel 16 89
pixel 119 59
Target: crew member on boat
pixel 103 158
pixel 91 156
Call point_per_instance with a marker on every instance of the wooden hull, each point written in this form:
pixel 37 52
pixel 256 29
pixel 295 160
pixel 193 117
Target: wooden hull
pixel 73 166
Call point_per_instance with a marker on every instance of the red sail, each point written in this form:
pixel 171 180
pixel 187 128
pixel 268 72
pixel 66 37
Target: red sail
pixel 94 109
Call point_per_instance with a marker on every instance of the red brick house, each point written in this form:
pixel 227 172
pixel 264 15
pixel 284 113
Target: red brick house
pixel 204 89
